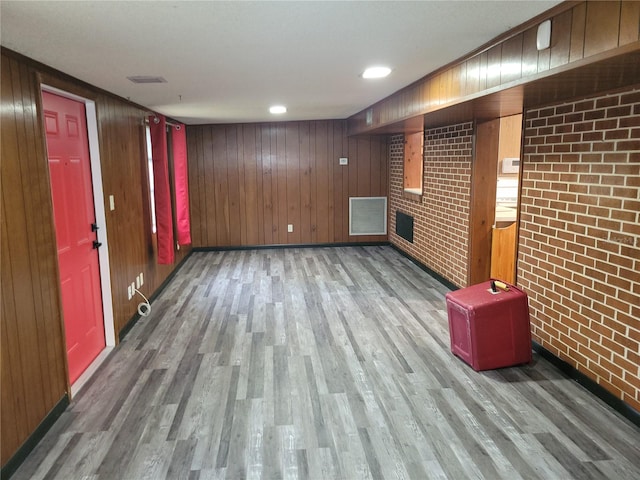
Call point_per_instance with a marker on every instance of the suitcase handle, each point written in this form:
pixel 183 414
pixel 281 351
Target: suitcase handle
pixel 508 285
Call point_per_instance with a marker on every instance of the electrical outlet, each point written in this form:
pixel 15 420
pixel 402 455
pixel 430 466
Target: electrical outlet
pixel 290 228
pixel 129 292
pixel 133 289
pixel 141 279
pixel 138 281
pixel 344 161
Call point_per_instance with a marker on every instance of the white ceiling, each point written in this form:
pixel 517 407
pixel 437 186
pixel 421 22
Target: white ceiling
pixel 228 61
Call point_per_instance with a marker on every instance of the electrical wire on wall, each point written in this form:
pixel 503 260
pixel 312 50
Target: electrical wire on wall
pixel 144 308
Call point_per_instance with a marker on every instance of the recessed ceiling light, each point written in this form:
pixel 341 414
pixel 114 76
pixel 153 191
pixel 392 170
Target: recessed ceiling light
pixel 376 72
pixel 277 109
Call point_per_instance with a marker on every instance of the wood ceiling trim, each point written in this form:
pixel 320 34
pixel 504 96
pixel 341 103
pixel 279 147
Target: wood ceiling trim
pixel 514 63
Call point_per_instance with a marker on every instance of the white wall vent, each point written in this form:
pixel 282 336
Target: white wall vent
pixel 367 215
pixel 510 165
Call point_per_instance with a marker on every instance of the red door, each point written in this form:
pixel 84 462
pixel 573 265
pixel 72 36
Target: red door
pixel 74 212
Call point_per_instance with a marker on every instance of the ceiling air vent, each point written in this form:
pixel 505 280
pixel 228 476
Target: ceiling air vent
pixel 146 79
pixel 367 215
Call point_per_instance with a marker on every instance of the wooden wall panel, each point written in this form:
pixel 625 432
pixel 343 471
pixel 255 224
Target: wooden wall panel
pixel 529 53
pixel 590 32
pixel 629 22
pixel 560 41
pixel 124 175
pixel 578 19
pixel 290 174
pixel 33 368
pixel 511 62
pixel 602 27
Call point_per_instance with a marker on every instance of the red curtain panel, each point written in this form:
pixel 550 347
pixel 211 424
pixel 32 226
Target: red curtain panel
pixel 181 183
pixel 164 215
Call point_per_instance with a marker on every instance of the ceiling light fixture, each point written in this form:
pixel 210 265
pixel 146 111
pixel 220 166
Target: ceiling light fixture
pixel 376 72
pixel 278 109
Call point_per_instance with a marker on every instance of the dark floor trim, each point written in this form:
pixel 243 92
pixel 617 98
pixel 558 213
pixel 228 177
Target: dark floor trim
pixel 30 443
pixel 133 320
pixel 450 285
pixel 603 394
pixel 282 246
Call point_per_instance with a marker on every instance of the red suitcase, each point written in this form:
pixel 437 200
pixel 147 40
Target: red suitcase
pixel 489 329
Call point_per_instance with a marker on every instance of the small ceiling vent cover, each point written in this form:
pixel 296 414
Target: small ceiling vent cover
pixel 146 79
pixel 367 215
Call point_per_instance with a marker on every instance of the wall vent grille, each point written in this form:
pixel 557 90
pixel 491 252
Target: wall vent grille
pixel 367 215
pixel 146 79
pixel 404 226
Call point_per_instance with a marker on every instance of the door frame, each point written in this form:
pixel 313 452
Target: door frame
pixel 482 214
pixel 98 201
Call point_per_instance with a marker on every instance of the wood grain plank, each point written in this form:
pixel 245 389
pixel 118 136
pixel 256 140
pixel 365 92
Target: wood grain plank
pixel 314 175
pixel 511 60
pixel 629 22
pixel 281 180
pixel 376 165
pixel 194 162
pixel 363 175
pixel 494 63
pixel 472 82
pixel 13 418
pixel 293 179
pixel 209 178
pixel 602 27
pixel 529 53
pixel 242 187
pixel 351 186
pixel 252 189
pixel 340 177
pixel 323 183
pixel 578 23
pixel 221 191
pixel 561 39
pixel 259 186
pixel 267 184
pixel 305 173
pixel 236 223
pixel 483 70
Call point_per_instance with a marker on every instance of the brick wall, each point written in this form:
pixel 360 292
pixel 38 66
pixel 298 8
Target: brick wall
pixel 579 249
pixel 441 218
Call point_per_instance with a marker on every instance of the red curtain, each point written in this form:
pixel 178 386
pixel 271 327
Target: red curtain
pixel 181 184
pixel 164 215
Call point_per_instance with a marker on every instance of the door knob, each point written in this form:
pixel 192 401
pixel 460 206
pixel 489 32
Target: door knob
pixel 96 244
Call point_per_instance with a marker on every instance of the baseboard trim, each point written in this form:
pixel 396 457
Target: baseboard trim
pixel 30 443
pixel 287 245
pixel 447 283
pixel 599 391
pixel 133 320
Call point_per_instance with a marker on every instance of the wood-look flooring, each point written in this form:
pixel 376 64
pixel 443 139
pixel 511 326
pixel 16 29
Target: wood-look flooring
pixel 319 364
